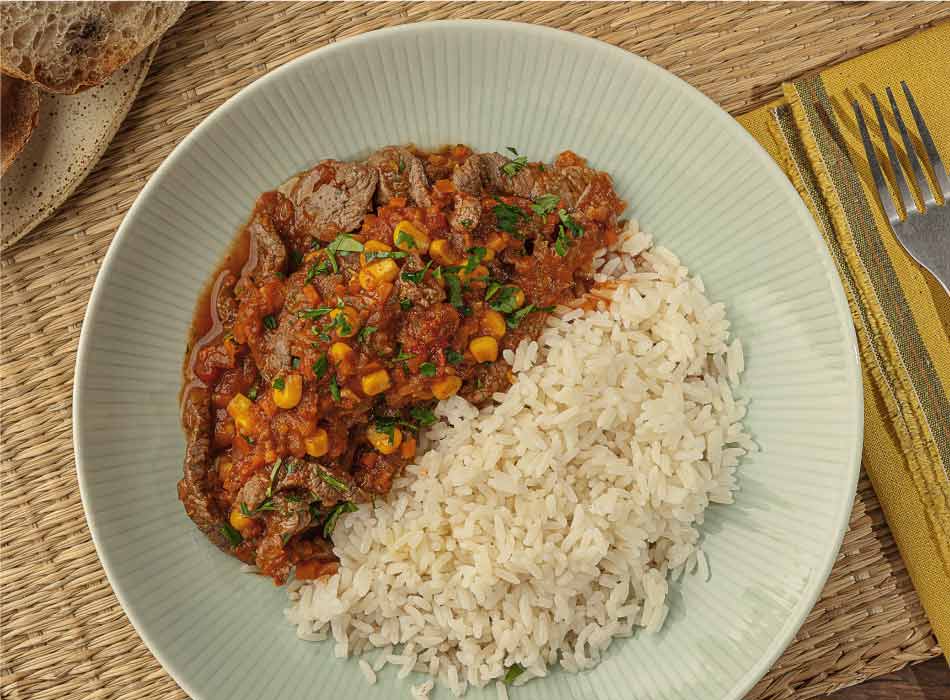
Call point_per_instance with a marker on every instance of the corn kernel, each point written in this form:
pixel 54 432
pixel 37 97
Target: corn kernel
pixel 317 444
pixel 382 441
pixel 238 520
pixel 385 270
pixel 373 246
pixel 367 280
pixel 408 449
pixel 352 324
pixel 410 238
pixel 375 382
pixel 441 252
pixel 484 349
pixel 239 408
pixel 340 352
pixel 444 388
pixel 289 395
pixel 519 299
pixel 489 255
pixel 494 324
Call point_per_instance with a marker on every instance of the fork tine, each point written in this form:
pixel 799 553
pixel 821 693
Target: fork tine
pixel 904 191
pixel 882 192
pixel 941 174
pixel 918 172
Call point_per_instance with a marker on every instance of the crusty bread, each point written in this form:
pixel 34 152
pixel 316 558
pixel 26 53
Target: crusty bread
pixel 20 103
pixel 70 46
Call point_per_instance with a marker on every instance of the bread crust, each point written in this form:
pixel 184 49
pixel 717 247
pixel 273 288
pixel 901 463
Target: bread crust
pixel 20 103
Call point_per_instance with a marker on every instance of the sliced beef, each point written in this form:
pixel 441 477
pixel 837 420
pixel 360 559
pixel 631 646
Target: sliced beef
pixel 569 183
pixel 268 254
pixel 289 517
pixel 225 305
pixel 481 173
pixel 194 489
pixel 401 174
pixel 424 330
pixel 254 491
pixel 332 198
pixel 420 294
pixel 322 481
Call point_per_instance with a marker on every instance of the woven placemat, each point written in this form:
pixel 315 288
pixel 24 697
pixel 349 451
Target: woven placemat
pixel 64 635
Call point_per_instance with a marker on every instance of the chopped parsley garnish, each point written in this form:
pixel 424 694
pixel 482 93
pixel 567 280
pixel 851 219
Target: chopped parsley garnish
pixel 273 475
pixel 334 389
pixel 466 223
pixel 453 357
pixel 417 276
pixel 365 333
pixel 332 481
pixel 233 536
pixel 314 314
pixel 342 324
pixel 571 225
pixel 507 216
pixel 380 254
pixel 296 257
pixel 545 204
pixel 386 426
pixel 405 304
pixel 278 384
pixel 270 322
pixel 248 439
pixel 515 165
pixel 562 243
pixel 295 362
pixel 514 319
pixel 252 392
pixel 402 356
pixel 454 285
pixel 404 239
pixel 422 415
pixel 503 298
pixel 427 369
pixel 321 268
pixel 512 673
pixel 343 243
pixel 400 166
pixel 320 366
pixel 475 257
pixel 338 510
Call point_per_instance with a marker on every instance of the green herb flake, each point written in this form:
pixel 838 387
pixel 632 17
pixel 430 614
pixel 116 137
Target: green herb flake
pixel 466 223
pixel 427 369
pixel 295 362
pixel 563 243
pixel 454 285
pixel 278 384
pixel 475 257
pixel 334 389
pixel 400 166
pixel 402 356
pixel 386 426
pixel 270 322
pixel 503 299
pixel 345 243
pixel 405 304
pixel 314 314
pixel 514 319
pixel 382 254
pixel 321 268
pixel 332 481
pixel 296 257
pixel 320 366
pixel 404 239
pixel 244 510
pixel 252 392
pixel 571 225
pixel 417 276
pixel 233 536
pixel 453 357
pixel 512 673
pixel 514 166
pixel 365 333
pixel 507 216
pixel 423 415
pixel 338 510
pixel 545 204
pixel 273 475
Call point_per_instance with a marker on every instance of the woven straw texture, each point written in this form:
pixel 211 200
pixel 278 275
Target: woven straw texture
pixel 63 632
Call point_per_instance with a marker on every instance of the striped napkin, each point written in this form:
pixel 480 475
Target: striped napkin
pixel 901 314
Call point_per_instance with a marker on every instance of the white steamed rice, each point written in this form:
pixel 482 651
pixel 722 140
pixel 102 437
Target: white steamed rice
pixel 537 529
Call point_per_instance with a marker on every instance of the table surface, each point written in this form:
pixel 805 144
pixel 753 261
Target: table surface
pixel 63 633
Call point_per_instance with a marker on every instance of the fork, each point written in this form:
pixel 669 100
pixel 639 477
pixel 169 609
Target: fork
pixel 925 235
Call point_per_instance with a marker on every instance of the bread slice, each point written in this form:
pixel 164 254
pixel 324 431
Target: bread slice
pixel 20 107
pixel 70 46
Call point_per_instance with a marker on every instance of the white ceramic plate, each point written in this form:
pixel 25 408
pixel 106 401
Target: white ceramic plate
pixel 692 177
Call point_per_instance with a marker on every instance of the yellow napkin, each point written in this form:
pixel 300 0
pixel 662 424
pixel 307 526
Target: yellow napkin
pixel 901 314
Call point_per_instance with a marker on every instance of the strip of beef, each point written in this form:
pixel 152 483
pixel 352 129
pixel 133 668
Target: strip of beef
pixel 288 517
pixel 332 197
pixel 194 491
pixel 423 293
pixel 401 174
pixel 268 254
pixel 571 183
pixel 482 173
pixel 327 485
